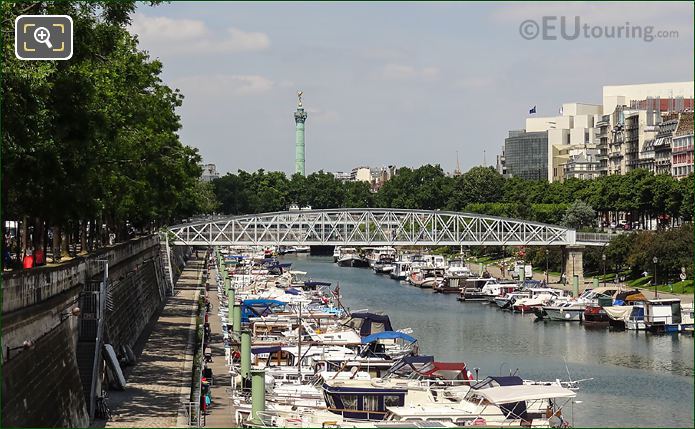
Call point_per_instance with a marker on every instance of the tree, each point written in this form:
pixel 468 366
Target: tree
pixel 688 203
pixel 94 139
pixel 578 215
pixel 477 185
pixel 358 194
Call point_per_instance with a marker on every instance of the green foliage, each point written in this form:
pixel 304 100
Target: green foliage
pixel 426 188
pixel 479 185
pixel 673 249
pixel 579 215
pixel 94 137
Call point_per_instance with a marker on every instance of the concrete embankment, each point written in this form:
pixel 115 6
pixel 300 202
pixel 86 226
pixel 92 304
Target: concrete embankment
pixel 48 368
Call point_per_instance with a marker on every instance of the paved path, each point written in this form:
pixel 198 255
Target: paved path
pixel 163 371
pixel 221 412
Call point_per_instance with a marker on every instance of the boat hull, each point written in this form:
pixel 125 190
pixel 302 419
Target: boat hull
pixel 353 262
pixel 502 303
pixel 564 315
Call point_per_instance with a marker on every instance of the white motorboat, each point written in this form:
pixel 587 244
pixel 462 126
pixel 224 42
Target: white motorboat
pixel 458 268
pixel 567 311
pixel 375 254
pixel 350 257
pixel 400 271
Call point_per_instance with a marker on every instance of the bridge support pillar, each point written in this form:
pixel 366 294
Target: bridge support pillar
pixel 574 265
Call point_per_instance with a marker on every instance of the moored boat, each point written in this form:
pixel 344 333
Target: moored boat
pixel 567 312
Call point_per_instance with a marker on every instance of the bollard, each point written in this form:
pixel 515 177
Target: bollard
pixel 245 354
pixel 236 318
pixel 257 395
pixel 230 309
pixel 575 285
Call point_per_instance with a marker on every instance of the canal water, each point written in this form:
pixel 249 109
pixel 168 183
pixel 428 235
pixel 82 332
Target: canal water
pixel 639 379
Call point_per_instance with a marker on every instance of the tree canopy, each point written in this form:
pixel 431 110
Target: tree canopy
pixel 94 138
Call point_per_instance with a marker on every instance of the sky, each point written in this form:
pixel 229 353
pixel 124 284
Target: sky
pixel 392 84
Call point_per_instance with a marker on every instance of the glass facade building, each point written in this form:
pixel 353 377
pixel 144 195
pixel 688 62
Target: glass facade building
pixel 526 154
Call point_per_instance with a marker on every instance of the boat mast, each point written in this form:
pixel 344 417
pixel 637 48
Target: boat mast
pixel 299 342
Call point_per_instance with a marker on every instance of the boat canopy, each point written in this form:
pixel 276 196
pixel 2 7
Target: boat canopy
pixel 315 284
pixel 387 335
pixel 292 291
pixel 492 381
pixel 369 323
pixel 261 350
pixel 509 394
pixel 258 307
pixel 409 364
pixel 446 370
pixel 629 296
pixel 619 312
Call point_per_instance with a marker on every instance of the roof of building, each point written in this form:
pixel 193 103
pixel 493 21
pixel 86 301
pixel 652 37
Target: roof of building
pixel 685 124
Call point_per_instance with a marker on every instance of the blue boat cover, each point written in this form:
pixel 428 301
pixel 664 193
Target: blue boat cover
pixel 234 257
pixel 258 308
pixel 268 302
pixel 417 359
pixel 292 291
pixel 261 350
pixel 387 335
pixel 316 284
pixel 509 380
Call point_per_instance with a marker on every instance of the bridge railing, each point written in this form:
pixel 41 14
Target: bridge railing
pixel 594 237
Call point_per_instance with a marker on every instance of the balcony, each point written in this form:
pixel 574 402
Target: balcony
pixel 682 149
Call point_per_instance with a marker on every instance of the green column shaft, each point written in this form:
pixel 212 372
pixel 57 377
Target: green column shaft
pixel 575 285
pixel 227 283
pixel 257 394
pixel 236 318
pixel 230 308
pixel 245 353
pixel 595 282
pixel 299 148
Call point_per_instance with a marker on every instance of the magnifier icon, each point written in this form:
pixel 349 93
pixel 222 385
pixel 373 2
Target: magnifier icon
pixel 42 35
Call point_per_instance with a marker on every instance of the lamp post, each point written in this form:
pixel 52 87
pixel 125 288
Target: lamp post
pixel 603 258
pixel 656 291
pixel 546 266
pixel 26 345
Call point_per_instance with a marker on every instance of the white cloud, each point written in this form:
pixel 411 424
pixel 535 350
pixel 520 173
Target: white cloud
pixel 666 15
pixel 223 85
pixel 158 28
pixel 161 35
pixel 405 72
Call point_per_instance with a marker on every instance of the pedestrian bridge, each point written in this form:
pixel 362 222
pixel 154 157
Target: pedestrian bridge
pixel 376 227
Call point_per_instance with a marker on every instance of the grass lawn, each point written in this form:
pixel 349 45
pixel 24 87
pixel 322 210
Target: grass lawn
pixel 682 287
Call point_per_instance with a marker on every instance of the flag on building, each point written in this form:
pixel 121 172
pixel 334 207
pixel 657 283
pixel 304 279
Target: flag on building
pixel 532 111
pixel 560 110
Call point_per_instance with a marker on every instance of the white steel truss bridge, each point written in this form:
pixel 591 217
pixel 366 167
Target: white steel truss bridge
pixel 375 227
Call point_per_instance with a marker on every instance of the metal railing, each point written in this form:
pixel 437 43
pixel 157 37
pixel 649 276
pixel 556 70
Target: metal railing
pixel 594 237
